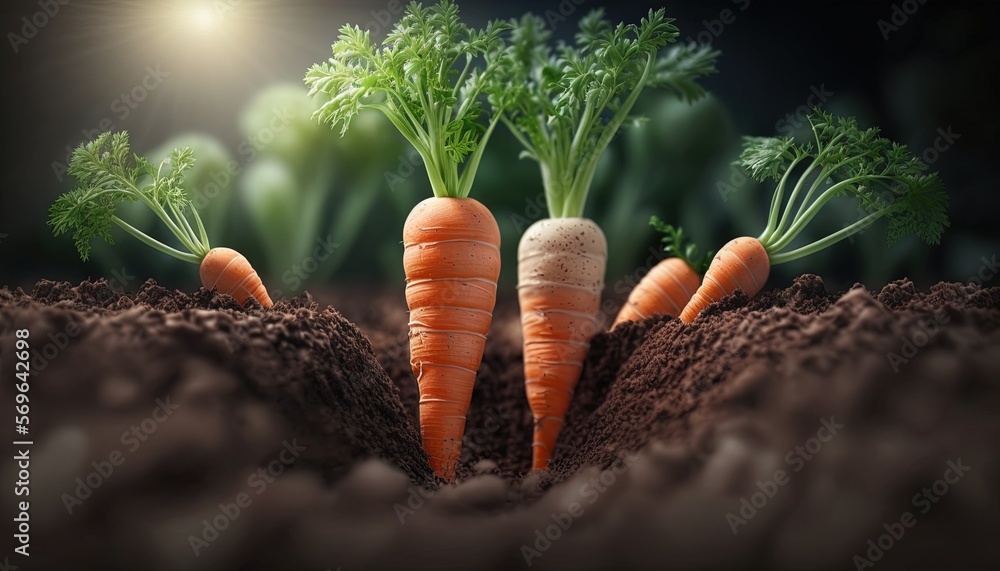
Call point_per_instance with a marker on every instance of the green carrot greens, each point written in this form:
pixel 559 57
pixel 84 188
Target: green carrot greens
pixel 427 78
pixel 843 160
pixel 677 245
pixel 566 104
pixel 108 174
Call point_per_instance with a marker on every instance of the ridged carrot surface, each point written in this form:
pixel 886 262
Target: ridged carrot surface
pixel 742 263
pixel 561 264
pixel 229 272
pixel 666 289
pixel 452 262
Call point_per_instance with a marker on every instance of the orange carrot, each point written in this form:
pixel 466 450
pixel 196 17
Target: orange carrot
pixel 740 264
pixel 229 272
pixel 561 263
pixel 452 262
pixel 841 161
pixel 428 77
pixel 109 174
pixel 666 289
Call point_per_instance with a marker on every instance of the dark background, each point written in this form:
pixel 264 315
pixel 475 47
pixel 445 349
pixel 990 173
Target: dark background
pixel 935 72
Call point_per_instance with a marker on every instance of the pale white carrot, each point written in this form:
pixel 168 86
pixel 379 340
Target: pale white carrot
pixel 561 263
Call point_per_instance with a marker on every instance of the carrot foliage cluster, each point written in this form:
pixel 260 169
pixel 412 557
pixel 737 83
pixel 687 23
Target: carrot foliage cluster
pixel 843 161
pixel 566 102
pixel 426 78
pixel 108 174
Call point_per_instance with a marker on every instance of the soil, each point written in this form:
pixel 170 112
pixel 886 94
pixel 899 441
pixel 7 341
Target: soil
pixel 800 429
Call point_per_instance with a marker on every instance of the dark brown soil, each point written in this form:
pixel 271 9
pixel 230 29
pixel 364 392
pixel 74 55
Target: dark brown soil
pixel 780 432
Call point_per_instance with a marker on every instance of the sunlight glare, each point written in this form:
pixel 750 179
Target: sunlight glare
pixel 203 17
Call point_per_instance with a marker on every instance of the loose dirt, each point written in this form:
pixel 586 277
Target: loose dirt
pixel 780 432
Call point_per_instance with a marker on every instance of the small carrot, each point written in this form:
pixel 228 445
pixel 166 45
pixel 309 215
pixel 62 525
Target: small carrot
pixel 669 285
pixel 845 161
pixel 426 80
pixel 229 272
pixel 109 174
pixel 741 264
pixel 564 105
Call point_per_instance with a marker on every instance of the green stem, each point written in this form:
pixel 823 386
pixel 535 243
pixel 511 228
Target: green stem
pixel 472 165
pixel 558 184
pixel 483 78
pixel 162 214
pixel 413 137
pixel 156 244
pixel 186 227
pixel 461 77
pixel 786 215
pixel 433 159
pixel 548 184
pixel 438 185
pixel 415 126
pixel 575 202
pixel 156 208
pixel 201 230
pixel 572 205
pixel 581 131
pixel 819 181
pixel 800 223
pixel 826 242
pixel 772 217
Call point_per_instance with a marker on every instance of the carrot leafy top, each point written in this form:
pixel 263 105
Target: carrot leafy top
pixel 426 77
pixel 843 160
pixel 108 174
pixel 565 103
pixel 677 245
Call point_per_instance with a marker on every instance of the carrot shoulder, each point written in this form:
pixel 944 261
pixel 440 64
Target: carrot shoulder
pixel 741 264
pixel 452 262
pixel 561 264
pixel 229 272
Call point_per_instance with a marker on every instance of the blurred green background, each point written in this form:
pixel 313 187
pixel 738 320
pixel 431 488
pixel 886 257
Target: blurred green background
pixel 314 210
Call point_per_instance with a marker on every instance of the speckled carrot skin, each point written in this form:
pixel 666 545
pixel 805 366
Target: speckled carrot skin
pixel 561 265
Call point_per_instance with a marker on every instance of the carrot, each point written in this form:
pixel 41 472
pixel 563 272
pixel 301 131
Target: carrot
pixel 669 285
pixel 842 161
pixel 427 78
pixel 564 105
pixel 229 272
pixel 561 264
pixel 109 174
pixel 740 264
pixel 452 262
pixel 665 290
